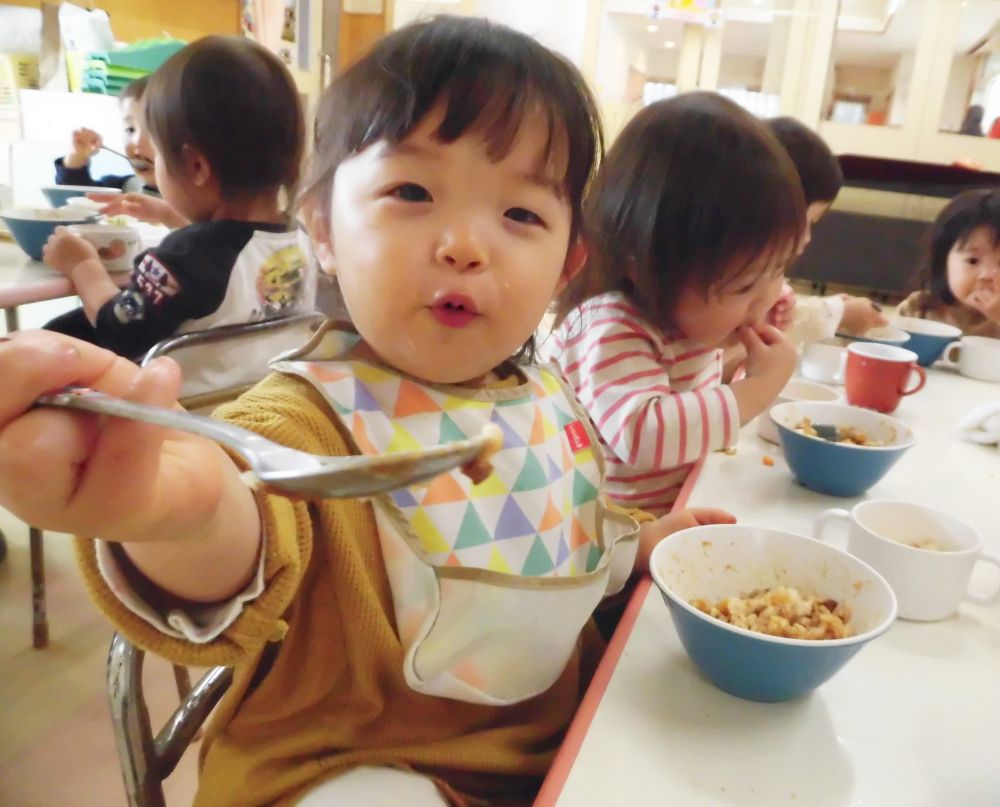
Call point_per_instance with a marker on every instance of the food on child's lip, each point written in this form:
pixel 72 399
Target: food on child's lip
pixel 783 611
pixel 481 467
pixel 850 435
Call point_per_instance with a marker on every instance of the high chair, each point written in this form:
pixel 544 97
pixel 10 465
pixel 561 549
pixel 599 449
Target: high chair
pixel 281 334
pixel 147 760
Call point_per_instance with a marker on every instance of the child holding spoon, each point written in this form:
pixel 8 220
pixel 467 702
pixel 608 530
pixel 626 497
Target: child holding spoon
pixel 427 647
pixel 74 168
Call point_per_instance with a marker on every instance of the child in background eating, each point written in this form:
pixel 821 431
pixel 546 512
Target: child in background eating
pixel 961 278
pixel 74 168
pixel 427 647
pixel 223 159
pixel 809 319
pixel 694 214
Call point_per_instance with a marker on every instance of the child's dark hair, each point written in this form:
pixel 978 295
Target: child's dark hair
pixel 693 192
pixel 485 76
pixel 817 166
pixel 134 90
pixel 237 104
pixel 966 212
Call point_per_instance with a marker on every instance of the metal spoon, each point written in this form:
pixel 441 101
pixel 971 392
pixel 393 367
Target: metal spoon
pixel 298 472
pixel 826 431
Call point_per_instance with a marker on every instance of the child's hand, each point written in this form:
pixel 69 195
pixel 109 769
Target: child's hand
pixel 652 532
pixel 141 206
pixel 769 354
pixel 86 143
pixel 79 473
pixel 65 250
pixel 860 315
pixel 771 360
pixel 782 313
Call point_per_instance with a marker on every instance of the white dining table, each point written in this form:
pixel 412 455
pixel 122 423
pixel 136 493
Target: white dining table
pixel 911 721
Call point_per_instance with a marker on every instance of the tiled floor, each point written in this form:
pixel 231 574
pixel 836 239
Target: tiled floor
pixel 56 745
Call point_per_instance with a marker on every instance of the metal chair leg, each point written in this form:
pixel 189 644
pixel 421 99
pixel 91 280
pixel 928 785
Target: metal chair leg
pixel 182 678
pixel 39 618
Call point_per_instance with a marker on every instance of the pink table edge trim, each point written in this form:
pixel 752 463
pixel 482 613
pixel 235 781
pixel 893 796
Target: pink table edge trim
pixel 37 292
pixel 556 778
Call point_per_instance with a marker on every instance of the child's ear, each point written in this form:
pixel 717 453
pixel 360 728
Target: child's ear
pixel 576 257
pixel 318 226
pixel 196 167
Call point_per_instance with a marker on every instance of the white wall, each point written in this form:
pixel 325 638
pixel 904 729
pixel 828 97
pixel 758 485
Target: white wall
pixel 741 71
pixel 923 97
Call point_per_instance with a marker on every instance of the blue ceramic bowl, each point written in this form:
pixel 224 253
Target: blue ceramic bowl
pixel 928 338
pixel 839 469
pixel 32 226
pixel 886 335
pixel 729 560
pixel 59 195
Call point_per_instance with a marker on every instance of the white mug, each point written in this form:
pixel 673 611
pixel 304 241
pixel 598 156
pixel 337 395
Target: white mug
pixel 926 556
pixel 977 357
pixel 116 245
pixel 824 362
pixel 795 390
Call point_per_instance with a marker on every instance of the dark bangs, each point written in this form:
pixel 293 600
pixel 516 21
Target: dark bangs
pixel 489 79
pixel 955 223
pixel 693 193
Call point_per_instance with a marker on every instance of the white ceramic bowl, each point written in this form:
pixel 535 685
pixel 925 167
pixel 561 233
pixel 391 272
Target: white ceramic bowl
pixel 884 335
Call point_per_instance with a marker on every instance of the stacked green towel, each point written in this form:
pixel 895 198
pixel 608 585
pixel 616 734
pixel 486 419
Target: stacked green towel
pixel 109 72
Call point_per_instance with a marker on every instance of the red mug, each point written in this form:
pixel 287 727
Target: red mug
pixel 877 375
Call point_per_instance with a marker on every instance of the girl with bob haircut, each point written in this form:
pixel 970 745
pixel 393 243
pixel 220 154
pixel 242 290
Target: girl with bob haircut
pixel 425 647
pixel 693 216
pixel 961 278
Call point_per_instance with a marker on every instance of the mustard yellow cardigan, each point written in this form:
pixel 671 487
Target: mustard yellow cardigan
pixel 334 696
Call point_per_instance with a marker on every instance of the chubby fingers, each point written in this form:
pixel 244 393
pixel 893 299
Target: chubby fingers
pixel 711 515
pixel 35 362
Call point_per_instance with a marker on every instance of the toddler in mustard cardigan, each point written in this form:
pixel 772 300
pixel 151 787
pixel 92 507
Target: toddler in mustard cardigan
pixel 425 647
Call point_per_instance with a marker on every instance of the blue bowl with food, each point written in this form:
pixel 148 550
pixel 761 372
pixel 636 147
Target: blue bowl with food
pixel 768 615
pixel 59 195
pixel 928 338
pixel 32 226
pixel 863 447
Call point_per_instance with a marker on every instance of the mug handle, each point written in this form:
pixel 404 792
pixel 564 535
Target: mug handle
pixel 841 373
pixel 975 598
pixel 920 371
pixel 827 517
pixel 951 351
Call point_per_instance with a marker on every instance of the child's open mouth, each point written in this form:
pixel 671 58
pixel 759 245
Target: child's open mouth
pixel 454 310
pixel 140 164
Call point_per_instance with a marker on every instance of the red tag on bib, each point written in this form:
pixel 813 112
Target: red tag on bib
pixel 577 436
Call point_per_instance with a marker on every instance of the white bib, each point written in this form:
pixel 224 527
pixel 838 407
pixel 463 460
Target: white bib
pixel 491 583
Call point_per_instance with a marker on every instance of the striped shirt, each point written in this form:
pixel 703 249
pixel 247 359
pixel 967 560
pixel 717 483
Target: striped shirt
pixel 658 404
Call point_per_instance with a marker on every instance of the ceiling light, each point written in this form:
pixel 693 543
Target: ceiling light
pixel 652 28
pixel 670 44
